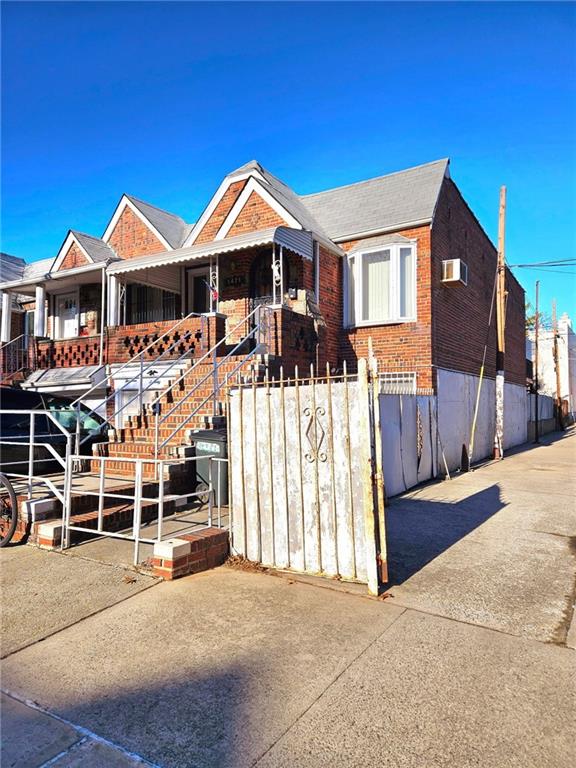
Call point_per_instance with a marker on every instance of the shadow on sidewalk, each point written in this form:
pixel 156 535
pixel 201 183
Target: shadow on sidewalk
pixel 417 531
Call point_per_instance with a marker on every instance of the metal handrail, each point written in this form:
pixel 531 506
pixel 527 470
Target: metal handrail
pixel 138 354
pixel 7 343
pixel 32 443
pixel 211 351
pixel 138 376
pixel 216 389
pixel 20 353
pixel 214 372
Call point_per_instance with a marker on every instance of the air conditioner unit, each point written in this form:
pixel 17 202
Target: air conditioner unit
pixel 454 271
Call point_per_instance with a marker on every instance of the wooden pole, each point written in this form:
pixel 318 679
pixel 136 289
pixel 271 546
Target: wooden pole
pixel 535 372
pixel 556 366
pixel 500 329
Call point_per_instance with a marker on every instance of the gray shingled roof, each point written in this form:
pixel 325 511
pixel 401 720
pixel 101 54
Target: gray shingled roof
pixel 172 228
pixel 96 248
pixel 37 268
pixel 381 203
pixel 11 267
pixel 284 195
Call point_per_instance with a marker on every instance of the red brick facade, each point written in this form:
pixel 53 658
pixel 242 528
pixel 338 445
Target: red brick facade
pixel 131 237
pixel 400 347
pixel 460 312
pixel 256 214
pixel 451 325
pixel 74 258
pixel 222 210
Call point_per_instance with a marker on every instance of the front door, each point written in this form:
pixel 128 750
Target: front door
pixel 198 291
pixel 67 315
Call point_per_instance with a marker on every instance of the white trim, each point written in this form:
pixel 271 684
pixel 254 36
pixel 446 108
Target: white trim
pixel 125 202
pixel 381 231
pixel 254 185
pixel 63 252
pixel 225 184
pixel 394 249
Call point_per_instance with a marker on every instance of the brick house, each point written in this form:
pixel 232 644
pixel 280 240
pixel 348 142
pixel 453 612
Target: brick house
pixel 397 264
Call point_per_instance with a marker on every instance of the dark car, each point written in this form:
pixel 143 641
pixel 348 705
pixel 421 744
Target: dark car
pixel 15 428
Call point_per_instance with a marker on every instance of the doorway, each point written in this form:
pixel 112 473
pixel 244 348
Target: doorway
pixel 67 315
pixel 197 290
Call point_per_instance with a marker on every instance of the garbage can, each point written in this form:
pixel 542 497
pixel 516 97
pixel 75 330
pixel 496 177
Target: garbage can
pixel 212 442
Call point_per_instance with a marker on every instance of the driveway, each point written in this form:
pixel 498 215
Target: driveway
pixel 469 661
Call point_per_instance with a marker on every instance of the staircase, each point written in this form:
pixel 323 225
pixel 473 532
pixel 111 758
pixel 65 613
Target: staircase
pixel 194 399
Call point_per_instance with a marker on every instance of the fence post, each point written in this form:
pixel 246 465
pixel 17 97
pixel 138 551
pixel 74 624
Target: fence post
pixel 367 478
pixel 379 471
pixel 31 454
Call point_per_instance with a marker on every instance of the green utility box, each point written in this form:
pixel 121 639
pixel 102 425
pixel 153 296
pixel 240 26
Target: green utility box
pixel 212 442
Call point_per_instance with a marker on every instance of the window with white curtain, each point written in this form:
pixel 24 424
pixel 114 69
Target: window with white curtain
pixel 380 285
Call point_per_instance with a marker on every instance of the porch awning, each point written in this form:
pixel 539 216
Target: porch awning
pixel 65 378
pixel 297 240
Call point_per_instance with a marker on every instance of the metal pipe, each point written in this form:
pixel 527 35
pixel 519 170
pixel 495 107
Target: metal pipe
pixel 102 311
pixel 31 454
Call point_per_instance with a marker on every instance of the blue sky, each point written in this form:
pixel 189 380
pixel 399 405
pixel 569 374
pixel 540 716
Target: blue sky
pixel 161 100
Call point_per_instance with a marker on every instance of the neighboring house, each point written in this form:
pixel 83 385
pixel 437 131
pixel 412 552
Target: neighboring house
pixel 396 266
pixel 547 382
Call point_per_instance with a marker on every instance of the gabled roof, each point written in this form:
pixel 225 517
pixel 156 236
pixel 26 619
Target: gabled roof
pixel 172 228
pixel 385 202
pixel 96 249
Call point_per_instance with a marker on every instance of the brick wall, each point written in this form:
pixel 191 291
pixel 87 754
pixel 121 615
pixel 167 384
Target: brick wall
pixel 256 214
pixel 68 353
pixel 74 258
pixel 460 313
pixel 222 210
pixel 330 305
pixel 399 347
pixel 131 237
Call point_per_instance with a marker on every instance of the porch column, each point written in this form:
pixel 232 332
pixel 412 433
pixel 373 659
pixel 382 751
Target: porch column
pixel 6 317
pixel 40 311
pixel 277 276
pixel 113 296
pixel 214 283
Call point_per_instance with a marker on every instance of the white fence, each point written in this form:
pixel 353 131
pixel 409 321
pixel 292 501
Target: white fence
pixel 409 441
pixel 301 462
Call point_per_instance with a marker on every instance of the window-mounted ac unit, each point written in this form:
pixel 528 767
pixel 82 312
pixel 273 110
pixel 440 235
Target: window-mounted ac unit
pixel 454 271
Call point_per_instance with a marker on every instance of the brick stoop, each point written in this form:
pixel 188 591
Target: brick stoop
pixel 190 553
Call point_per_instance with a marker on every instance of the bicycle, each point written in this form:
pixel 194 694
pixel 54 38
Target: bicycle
pixel 8 511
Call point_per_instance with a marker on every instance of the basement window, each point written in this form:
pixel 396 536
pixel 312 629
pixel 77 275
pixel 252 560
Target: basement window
pixel 380 286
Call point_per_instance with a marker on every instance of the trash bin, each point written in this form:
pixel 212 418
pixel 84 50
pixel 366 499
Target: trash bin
pixel 212 442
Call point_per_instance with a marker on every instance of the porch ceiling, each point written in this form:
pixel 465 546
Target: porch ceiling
pixel 299 241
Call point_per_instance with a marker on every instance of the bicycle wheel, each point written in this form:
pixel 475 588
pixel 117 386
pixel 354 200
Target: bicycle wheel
pixel 8 511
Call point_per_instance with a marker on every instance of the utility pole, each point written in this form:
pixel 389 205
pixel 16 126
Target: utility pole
pixel 500 329
pixel 535 372
pixel 556 366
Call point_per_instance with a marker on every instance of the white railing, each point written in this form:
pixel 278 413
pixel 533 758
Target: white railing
pixel 139 377
pixel 259 318
pixel 140 500
pixel 32 479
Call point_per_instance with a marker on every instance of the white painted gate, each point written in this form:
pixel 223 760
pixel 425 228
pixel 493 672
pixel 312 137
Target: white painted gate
pixel 304 472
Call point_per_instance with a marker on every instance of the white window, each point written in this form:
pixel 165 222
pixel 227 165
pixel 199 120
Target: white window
pixel 380 286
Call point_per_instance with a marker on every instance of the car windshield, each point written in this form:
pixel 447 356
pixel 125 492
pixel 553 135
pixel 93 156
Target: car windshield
pixel 65 414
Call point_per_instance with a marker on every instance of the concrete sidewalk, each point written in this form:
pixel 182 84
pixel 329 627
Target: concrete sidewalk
pixel 466 663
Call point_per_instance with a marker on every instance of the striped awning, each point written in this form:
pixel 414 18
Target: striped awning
pixel 297 240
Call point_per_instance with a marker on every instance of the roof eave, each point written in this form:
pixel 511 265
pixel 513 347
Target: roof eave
pixel 383 230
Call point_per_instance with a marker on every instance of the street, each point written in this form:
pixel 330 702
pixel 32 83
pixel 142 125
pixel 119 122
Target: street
pixel 468 660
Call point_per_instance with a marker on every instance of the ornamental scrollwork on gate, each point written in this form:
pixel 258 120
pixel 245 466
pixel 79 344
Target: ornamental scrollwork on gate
pixel 315 434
